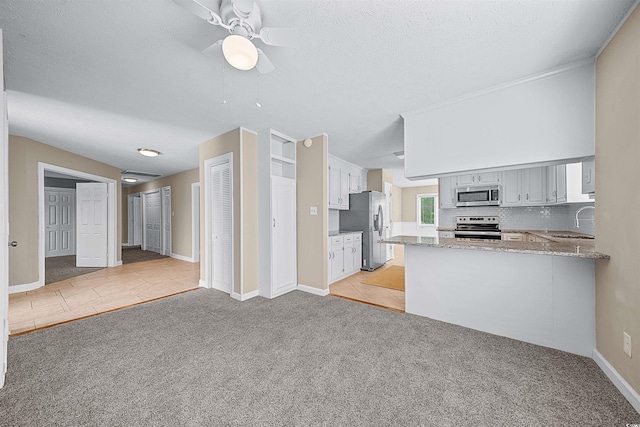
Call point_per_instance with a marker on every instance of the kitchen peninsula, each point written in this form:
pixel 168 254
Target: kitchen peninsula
pixel 538 292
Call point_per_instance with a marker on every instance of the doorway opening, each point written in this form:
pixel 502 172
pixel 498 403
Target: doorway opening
pixel 87 222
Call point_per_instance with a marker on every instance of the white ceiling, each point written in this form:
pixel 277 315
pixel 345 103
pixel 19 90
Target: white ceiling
pixel 101 78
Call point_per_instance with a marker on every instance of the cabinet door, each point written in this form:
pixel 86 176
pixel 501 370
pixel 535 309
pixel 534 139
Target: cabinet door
pixel 344 190
pixel 511 188
pixel 552 185
pixel 447 195
pixel 334 188
pixel 561 184
pixel 467 180
pixel 354 183
pixel 357 255
pixel 348 254
pixel 283 233
pixel 488 178
pixel 588 177
pixel 337 261
pixel 535 186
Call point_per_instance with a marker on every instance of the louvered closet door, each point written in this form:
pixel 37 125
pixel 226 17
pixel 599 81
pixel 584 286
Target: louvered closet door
pixel 152 225
pixel 221 233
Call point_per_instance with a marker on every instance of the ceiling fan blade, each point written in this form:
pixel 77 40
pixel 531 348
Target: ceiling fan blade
pixel 195 7
pixel 264 65
pixel 214 49
pixel 286 37
pixel 244 6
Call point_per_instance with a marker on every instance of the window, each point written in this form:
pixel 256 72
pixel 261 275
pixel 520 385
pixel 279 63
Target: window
pixel 427 214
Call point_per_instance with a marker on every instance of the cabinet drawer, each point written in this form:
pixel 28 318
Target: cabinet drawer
pixel 348 238
pixel 336 240
pixel 357 237
pixel 513 237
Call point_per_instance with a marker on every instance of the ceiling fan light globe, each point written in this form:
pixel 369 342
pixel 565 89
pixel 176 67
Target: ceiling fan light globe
pixel 239 52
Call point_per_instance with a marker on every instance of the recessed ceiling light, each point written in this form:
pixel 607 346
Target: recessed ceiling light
pixel 148 152
pixel 129 179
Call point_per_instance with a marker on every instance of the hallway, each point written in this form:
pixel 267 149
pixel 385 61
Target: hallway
pixel 98 292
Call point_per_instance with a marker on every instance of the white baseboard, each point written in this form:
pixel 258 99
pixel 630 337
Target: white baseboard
pixel 182 257
pixel 202 283
pixel 621 384
pixel 244 297
pixel 312 290
pixel 118 263
pixel 14 289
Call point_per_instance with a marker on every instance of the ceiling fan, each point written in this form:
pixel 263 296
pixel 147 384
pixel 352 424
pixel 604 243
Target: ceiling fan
pixel 243 20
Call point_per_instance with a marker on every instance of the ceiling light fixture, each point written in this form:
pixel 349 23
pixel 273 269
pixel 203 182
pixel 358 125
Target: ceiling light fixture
pixel 129 179
pixel 148 152
pixel 239 52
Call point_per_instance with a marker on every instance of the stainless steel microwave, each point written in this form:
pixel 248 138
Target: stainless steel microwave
pixel 478 196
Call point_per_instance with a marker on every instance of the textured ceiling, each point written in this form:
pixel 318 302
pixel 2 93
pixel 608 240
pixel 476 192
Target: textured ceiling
pixel 101 78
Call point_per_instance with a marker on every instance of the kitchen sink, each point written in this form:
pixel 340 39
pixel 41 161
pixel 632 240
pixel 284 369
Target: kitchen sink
pixel 572 236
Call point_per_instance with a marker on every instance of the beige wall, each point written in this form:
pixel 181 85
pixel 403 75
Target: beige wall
pixel 376 179
pixel 180 183
pixel 396 201
pixel 311 182
pixel 243 145
pixel 409 200
pixel 24 155
pixel 249 189
pixel 617 226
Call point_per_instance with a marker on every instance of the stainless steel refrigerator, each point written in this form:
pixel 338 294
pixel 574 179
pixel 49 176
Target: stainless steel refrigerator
pixel 366 214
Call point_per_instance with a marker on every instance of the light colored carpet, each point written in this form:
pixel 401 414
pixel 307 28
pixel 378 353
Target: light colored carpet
pixel 392 278
pixel 202 358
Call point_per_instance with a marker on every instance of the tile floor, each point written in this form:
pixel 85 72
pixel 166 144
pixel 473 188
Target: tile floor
pixel 353 288
pixel 100 291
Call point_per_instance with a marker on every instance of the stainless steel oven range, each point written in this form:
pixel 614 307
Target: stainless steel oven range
pixel 477 228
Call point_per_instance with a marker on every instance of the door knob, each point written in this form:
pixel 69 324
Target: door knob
pixel 13 244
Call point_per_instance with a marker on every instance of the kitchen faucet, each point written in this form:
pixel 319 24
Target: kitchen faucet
pixel 578 213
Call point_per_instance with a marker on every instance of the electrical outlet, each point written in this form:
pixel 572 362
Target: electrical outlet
pixel 626 343
pixel 313 210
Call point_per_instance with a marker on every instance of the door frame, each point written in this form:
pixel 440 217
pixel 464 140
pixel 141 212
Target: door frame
pixel 208 226
pixel 195 222
pixel 164 221
pixel 112 218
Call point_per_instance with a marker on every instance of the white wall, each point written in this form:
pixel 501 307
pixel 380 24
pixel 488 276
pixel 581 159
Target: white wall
pixel 542 119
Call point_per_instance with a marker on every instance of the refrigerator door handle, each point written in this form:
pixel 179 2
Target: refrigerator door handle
pixel 380 221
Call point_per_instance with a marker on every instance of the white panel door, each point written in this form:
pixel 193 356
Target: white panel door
pixel 91 224
pixel 152 222
pixel 52 223
pixel 4 225
pixel 221 261
pixel 60 223
pixel 283 236
pixel 166 220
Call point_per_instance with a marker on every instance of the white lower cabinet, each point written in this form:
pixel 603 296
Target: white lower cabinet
pixel 345 255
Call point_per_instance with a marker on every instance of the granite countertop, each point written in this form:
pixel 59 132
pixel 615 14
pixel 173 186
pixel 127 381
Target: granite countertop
pixel 571 247
pixel 445 229
pixel 340 232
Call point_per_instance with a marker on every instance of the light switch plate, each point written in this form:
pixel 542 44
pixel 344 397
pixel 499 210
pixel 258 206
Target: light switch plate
pixel 626 343
pixel 313 210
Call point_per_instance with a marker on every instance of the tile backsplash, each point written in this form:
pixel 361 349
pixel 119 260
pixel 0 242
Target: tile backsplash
pixel 559 217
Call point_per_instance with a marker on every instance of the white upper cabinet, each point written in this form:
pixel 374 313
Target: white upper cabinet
pixel 447 192
pixel 589 176
pixel 477 179
pixel 534 183
pixel 344 179
pixel 512 188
